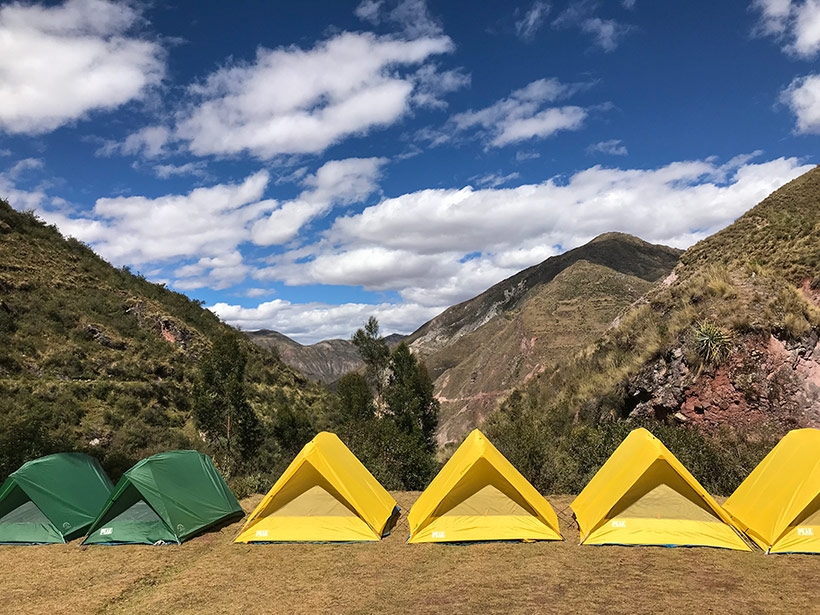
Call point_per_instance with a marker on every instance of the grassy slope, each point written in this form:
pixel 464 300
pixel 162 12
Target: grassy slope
pixel 744 279
pixel 552 322
pixel 208 574
pixel 96 354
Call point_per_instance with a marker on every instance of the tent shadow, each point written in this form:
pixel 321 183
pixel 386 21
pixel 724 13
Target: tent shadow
pixel 391 522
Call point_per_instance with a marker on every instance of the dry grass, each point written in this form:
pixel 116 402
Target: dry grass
pixel 210 575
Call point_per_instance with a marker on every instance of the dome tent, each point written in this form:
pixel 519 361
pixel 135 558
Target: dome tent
pixel 166 498
pixel 325 495
pixel 778 505
pixel 479 495
pixel 52 499
pixel 643 495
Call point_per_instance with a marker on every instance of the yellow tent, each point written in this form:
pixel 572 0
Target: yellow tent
pixel 325 495
pixel 643 495
pixel 479 495
pixel 778 505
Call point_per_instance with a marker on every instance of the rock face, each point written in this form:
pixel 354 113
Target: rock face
pixel 766 381
pixel 324 361
pixel 480 350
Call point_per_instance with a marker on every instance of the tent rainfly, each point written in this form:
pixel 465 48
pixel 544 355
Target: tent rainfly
pixel 166 498
pixel 325 495
pixel 778 505
pixel 52 499
pixel 643 495
pixel 478 495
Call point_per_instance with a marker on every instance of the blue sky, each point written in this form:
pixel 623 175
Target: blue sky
pixel 300 166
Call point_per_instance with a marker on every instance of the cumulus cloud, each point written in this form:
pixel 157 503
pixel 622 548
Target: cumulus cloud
pixel 438 247
pixel 524 114
pixel 311 322
pixel 338 182
pixel 613 147
pixel 532 20
pixel 299 101
pixel 794 22
pixel 803 98
pixel 62 62
pixel 207 222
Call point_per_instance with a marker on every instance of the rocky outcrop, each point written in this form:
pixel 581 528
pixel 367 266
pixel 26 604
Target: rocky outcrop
pixel 765 380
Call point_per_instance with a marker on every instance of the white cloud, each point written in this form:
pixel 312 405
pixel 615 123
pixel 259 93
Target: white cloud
pixel 296 101
pixel 149 142
pixel 628 4
pixel 803 98
pixel 259 292
pixel 493 180
pixel 216 272
pixel 432 84
pixel 613 147
pixel 368 10
pixel 412 16
pixel 606 33
pixel 795 22
pixel 438 247
pixel 338 182
pixel 59 63
pixel 164 171
pixel 522 115
pixel 207 222
pixel 311 322
pixel 532 20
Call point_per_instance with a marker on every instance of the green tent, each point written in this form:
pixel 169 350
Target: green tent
pixel 52 499
pixel 166 498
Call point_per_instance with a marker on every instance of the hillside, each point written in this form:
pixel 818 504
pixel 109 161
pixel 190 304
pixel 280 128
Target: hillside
pixel 97 359
pixel 479 350
pixel 727 343
pixel 324 361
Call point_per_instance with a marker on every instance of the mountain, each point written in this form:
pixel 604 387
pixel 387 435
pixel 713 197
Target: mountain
pixel 324 361
pixel 97 359
pixel 728 341
pixel 479 350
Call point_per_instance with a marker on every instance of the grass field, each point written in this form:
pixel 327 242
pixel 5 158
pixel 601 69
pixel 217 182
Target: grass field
pixel 210 575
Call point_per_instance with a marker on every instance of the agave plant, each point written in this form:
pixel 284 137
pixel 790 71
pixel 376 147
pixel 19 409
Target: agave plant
pixel 712 342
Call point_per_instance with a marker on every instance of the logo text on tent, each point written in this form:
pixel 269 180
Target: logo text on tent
pixel 618 523
pixel 106 531
pixel 438 534
pixel 805 531
pixel 261 533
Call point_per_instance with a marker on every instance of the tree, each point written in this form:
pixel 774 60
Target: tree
pixel 409 396
pixel 221 408
pixel 375 353
pixel 355 399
